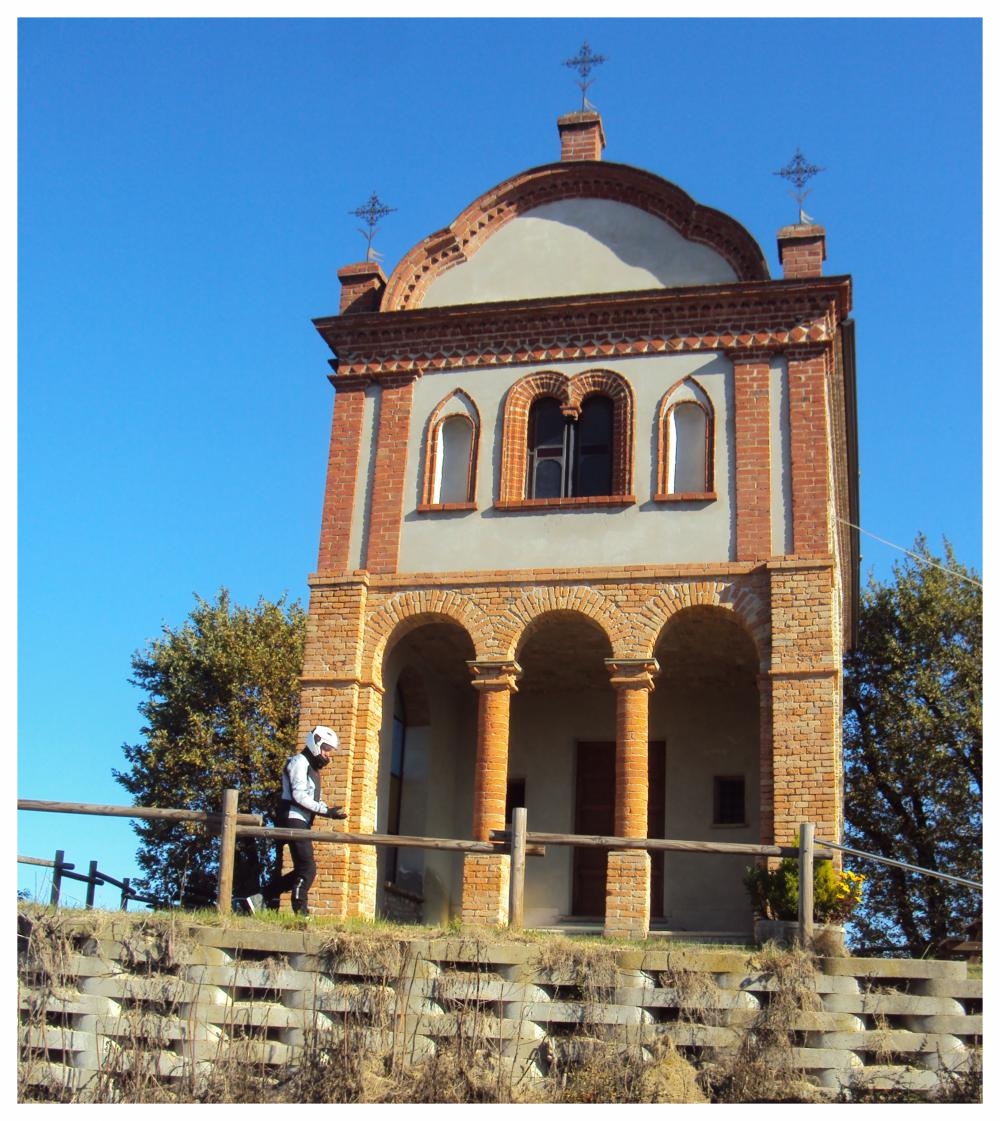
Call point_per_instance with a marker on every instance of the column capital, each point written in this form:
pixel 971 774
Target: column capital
pixel 492 676
pixel 632 673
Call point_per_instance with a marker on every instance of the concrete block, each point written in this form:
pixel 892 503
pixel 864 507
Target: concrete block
pixel 945 1025
pixel 574 1012
pixel 889 1040
pixel 877 968
pixel 881 1077
pixel 958 990
pixel 767 983
pixel 891 1004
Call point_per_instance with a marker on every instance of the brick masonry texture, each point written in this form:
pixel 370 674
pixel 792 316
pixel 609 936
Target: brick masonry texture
pixel 205 994
pixel 795 609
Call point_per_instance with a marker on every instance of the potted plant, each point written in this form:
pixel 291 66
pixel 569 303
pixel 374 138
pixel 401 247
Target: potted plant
pixel 774 894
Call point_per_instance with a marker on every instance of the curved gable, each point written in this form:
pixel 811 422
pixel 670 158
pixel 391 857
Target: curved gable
pixel 570 229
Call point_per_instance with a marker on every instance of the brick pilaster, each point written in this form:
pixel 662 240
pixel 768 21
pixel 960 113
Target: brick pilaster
pixel 752 400
pixel 805 686
pixel 342 474
pixel 386 517
pixel 632 682
pixel 810 440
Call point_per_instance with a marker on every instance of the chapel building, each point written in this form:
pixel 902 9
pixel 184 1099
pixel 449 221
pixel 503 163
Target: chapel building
pixel 586 547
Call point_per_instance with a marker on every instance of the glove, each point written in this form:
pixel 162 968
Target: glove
pixel 338 813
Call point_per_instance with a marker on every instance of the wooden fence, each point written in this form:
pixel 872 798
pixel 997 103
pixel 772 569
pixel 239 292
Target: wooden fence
pixel 517 842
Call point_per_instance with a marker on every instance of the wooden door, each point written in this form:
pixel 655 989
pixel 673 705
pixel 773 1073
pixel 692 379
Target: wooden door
pixel 594 815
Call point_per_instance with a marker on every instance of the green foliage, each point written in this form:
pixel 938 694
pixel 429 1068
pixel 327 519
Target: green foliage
pixel 774 893
pixel 913 751
pixel 222 711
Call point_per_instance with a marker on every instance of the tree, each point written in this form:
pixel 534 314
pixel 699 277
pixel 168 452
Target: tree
pixel 913 750
pixel 222 711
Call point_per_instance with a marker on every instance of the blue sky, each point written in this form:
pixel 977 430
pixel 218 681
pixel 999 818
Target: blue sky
pixel 183 197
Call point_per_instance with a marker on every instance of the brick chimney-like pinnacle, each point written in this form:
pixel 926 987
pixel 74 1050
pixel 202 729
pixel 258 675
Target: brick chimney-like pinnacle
pixel 801 251
pixel 582 135
pixel 362 286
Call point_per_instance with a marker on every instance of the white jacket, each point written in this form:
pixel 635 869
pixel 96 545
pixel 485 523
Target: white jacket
pixel 300 787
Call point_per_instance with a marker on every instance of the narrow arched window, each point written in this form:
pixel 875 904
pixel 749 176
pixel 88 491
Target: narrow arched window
pixel 450 454
pixel 688 442
pixel 593 442
pixel 453 460
pixel 686 452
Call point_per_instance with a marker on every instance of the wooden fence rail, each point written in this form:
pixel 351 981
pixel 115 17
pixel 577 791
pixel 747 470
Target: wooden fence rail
pixel 517 841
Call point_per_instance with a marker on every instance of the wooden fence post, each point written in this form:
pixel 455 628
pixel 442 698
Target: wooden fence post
pixel 125 893
pixel 518 836
pixel 807 834
pixel 91 884
pixel 227 853
pixel 60 859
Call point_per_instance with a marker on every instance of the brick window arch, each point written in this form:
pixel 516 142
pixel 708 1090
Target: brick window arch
pixel 451 455
pixel 685 445
pixel 567 441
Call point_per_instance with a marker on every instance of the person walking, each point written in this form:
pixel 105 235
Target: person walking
pixel 300 804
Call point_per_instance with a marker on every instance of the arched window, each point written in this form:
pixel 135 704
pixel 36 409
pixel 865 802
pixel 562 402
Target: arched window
pixel 453 459
pixel 567 441
pixel 570 457
pixel 686 444
pixel 451 455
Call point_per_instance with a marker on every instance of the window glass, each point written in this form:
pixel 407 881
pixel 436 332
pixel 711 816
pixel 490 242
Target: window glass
pixel 454 458
pixel 687 444
pixel 547 449
pixel 593 444
pixel 729 800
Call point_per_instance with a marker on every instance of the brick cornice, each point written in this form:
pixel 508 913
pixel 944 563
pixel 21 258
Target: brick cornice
pixel 746 318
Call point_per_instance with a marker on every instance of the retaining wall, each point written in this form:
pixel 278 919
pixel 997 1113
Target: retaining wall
pixel 95 994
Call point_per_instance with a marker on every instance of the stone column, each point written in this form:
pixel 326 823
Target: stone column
pixel 627 891
pixel 485 876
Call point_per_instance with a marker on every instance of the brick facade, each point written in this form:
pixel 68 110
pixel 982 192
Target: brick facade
pixel 794 609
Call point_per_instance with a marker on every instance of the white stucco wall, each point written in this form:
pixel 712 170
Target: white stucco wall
pixel 644 533
pixel 576 246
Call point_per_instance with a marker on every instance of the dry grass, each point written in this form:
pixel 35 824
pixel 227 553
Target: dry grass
pixel 366 1054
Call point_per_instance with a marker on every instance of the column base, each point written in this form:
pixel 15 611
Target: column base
pixel 627 894
pixel 485 889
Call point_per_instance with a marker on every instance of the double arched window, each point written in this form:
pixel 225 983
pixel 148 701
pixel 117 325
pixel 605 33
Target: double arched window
pixel 568 440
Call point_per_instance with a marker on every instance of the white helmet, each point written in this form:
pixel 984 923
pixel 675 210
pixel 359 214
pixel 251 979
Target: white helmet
pixel 320 738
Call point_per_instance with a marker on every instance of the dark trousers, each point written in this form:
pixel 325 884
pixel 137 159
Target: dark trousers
pixel 299 880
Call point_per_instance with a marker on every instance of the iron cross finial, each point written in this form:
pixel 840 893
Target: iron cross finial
pixel 372 212
pixel 799 171
pixel 584 62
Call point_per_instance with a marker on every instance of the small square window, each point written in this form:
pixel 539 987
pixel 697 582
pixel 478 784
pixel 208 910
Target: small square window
pixel 729 800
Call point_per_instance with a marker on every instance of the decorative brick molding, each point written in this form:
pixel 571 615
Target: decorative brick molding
pixel 753 316
pixel 431 451
pixel 574 178
pixel 570 392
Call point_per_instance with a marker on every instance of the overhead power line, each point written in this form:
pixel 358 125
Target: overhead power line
pixel 916 556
